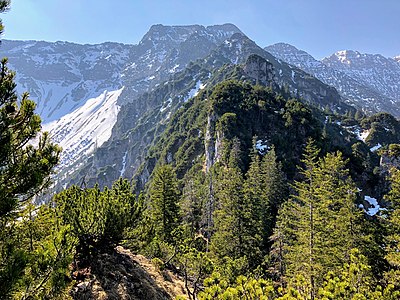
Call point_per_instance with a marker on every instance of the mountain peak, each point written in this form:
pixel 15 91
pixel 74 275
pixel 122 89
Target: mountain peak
pixel 227 28
pixel 282 47
pixel 180 33
pixel 397 58
pixel 345 56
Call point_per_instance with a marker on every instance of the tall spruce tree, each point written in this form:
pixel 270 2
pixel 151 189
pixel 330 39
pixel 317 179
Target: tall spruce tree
pixel 164 197
pixel 323 222
pixel 274 192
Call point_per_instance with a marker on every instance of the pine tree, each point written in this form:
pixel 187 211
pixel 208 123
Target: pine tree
pixel 164 197
pixel 230 216
pixel 255 199
pixel 27 158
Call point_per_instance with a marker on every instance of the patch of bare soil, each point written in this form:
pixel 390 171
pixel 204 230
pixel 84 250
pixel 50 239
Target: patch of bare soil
pixel 123 275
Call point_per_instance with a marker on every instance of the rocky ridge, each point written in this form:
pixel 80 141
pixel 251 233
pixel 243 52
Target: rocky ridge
pixel 369 82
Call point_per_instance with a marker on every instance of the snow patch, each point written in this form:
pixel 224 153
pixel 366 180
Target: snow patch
pixel 169 103
pixel 375 148
pixel 174 69
pixel 374 207
pixel 194 91
pixel 262 147
pixel 123 164
pixel 362 136
pixel 86 128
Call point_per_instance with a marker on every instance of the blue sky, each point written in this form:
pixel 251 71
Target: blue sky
pixel 319 27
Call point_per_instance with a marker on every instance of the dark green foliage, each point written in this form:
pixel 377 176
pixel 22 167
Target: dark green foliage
pixel 393 229
pixel 163 205
pixel 383 127
pixel 98 218
pixel 323 223
pixel 24 168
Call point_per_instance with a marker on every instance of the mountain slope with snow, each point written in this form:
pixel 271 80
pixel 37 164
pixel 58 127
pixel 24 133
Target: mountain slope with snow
pixel 373 70
pixel 368 94
pixel 86 128
pixel 79 88
pixel 61 76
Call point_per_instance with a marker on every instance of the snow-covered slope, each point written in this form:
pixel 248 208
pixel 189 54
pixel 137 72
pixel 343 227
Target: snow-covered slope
pixel 62 76
pixel 397 58
pixel 365 90
pixel 88 127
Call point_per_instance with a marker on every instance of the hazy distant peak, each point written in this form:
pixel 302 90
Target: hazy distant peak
pixel 282 46
pixel 227 27
pixel 344 56
pixel 180 33
pixel 283 50
pixel 350 56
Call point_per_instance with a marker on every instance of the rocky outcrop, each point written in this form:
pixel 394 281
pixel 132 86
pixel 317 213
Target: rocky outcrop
pixel 259 69
pixel 123 275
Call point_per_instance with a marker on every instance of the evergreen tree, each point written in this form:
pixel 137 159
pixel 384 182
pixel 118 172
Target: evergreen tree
pixel 231 215
pixel 393 229
pixel 25 166
pixel 192 204
pixel 164 197
pixel 274 191
pixel 98 218
pixel 324 223
pixel 237 229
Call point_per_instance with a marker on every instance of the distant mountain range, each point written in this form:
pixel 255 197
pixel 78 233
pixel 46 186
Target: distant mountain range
pixel 370 82
pixel 107 104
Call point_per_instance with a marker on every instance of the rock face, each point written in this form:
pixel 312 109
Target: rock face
pixel 369 82
pixel 259 69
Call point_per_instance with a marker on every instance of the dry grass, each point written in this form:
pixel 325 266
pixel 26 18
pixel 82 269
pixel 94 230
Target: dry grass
pixel 123 275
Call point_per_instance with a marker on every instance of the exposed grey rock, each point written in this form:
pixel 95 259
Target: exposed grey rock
pixel 357 77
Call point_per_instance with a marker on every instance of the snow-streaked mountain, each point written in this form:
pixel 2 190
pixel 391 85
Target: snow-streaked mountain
pixel 365 91
pixel 106 104
pixel 79 88
pixel 86 128
pixel 373 70
pixel 62 76
pixel 141 122
pixel 397 58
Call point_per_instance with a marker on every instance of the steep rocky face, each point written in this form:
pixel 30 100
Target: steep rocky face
pixel 260 70
pixel 358 92
pixel 238 48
